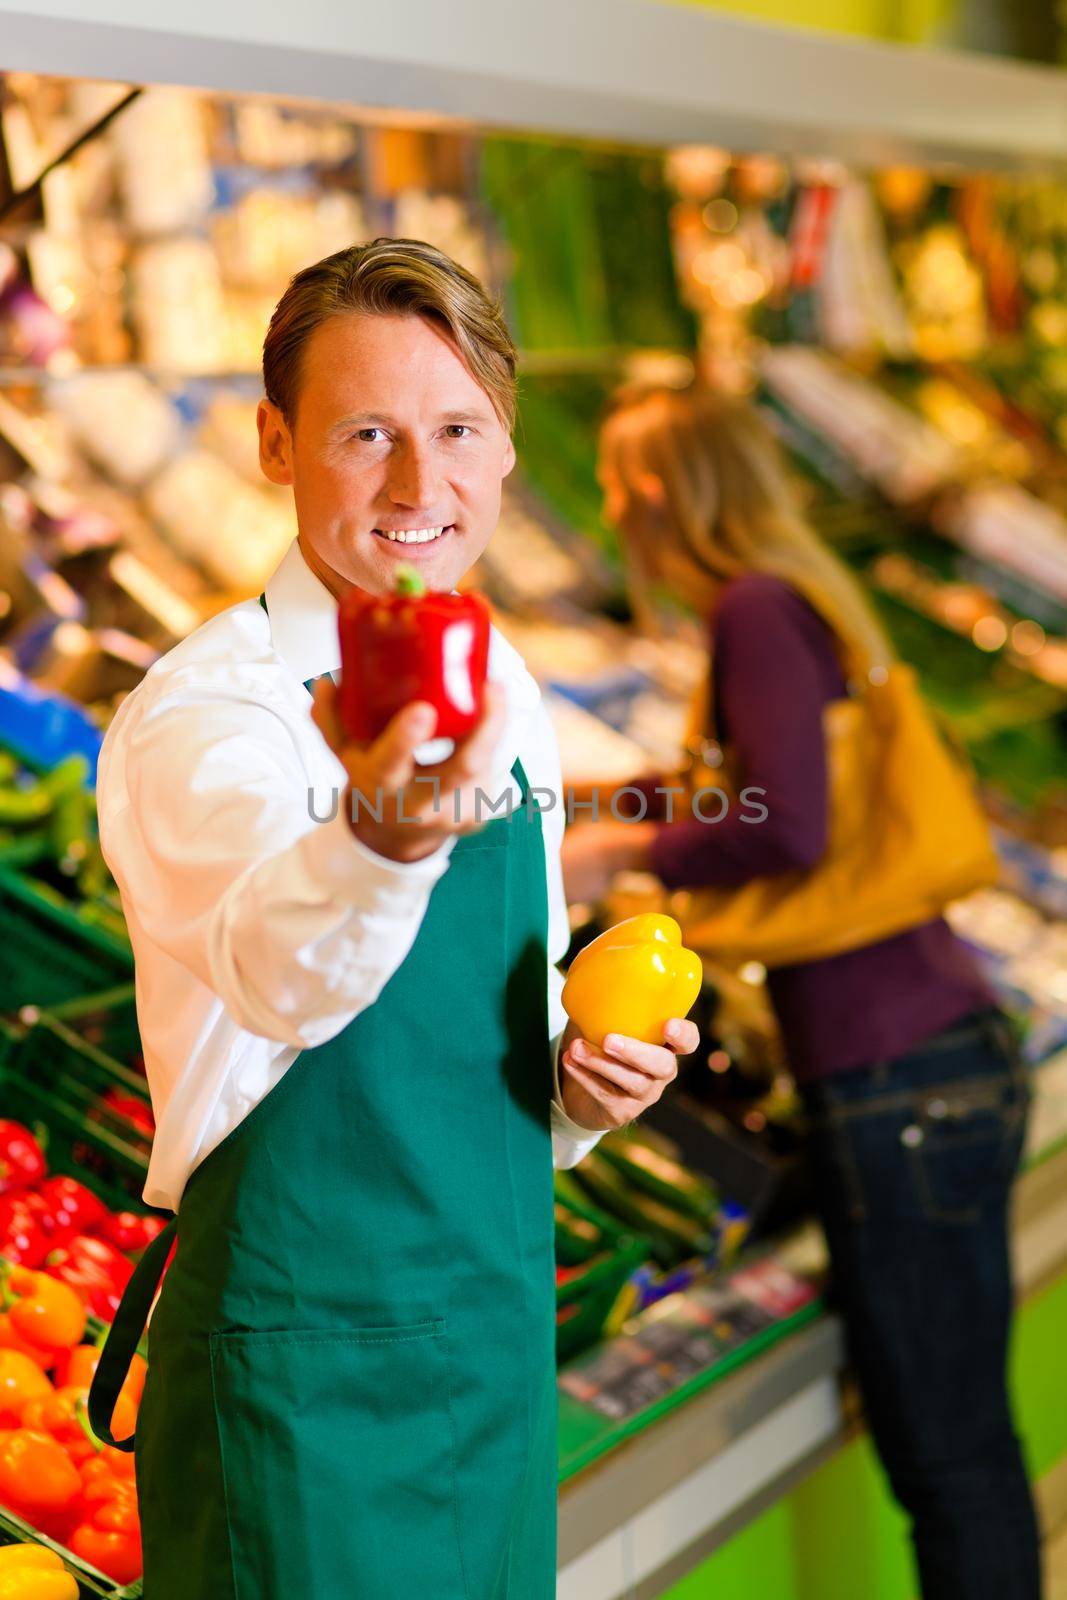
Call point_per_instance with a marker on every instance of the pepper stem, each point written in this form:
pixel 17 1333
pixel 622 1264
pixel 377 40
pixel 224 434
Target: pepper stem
pixel 410 582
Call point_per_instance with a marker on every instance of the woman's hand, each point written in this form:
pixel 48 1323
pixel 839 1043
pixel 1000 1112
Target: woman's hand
pixel 593 852
pixel 608 1088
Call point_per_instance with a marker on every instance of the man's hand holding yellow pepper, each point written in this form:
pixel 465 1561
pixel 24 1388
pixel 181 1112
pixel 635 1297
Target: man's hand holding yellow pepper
pixel 609 1087
pixel 634 976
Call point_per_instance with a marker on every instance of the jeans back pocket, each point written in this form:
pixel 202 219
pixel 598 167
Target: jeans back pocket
pixel 965 1142
pixel 338 1462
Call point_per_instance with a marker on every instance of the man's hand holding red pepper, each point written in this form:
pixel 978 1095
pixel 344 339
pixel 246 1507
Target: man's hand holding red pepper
pixel 419 805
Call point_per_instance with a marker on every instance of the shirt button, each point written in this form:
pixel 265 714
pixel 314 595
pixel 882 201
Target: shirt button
pixel 911 1136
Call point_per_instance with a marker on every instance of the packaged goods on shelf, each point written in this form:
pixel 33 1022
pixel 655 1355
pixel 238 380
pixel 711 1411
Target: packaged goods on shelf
pixel 906 457
pixel 163 161
pixel 122 420
pixel 859 302
pixel 237 533
pixel 179 305
pixel 1005 524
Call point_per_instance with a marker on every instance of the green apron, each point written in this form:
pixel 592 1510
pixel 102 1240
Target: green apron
pixel 351 1388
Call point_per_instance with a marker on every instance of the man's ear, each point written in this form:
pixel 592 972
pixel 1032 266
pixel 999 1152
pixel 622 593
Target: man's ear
pixel 509 458
pixel 275 444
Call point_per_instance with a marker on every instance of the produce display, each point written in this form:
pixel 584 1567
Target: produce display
pixel 54 1474
pixel 72 1228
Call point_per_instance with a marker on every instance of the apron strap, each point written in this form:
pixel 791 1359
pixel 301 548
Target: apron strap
pixel 130 1322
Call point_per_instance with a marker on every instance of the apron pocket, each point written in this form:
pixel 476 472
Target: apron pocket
pixel 338 1462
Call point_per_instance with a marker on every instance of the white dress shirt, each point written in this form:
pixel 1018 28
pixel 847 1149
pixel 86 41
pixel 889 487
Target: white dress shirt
pixel 258 931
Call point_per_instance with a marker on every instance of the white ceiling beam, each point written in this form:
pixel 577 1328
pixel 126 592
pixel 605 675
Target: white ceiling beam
pixel 642 71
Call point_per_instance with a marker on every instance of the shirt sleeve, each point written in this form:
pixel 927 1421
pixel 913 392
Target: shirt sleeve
pixel 570 1141
pixel 772 686
pixel 219 858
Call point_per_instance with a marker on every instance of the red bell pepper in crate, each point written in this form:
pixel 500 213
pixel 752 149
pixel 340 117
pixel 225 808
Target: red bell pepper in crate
pixel 95 1269
pixel 23 1238
pixel 22 1161
pixel 74 1208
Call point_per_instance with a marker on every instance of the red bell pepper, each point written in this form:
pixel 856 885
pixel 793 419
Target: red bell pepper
pixel 95 1269
pixel 130 1231
pixel 22 1161
pixel 23 1239
pixel 108 1534
pixel 74 1208
pixel 111 1540
pixel 413 645
pixel 132 1110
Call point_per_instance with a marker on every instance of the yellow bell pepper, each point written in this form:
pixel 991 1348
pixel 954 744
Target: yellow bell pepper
pixel 632 980
pixel 32 1572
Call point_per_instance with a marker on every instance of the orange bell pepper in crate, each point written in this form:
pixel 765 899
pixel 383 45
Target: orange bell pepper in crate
pixel 21 1380
pixel 38 1480
pixel 76 1369
pixel 43 1312
pixel 11 1340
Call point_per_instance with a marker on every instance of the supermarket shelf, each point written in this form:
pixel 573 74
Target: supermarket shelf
pixel 627 70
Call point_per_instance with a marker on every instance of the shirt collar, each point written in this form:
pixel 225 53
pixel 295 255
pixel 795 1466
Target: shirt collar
pixel 303 623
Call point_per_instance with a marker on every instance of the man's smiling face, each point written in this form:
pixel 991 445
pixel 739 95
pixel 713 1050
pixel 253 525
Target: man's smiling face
pixel 391 434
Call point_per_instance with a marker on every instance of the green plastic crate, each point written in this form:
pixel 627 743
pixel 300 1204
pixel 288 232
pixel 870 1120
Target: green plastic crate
pixel 585 1304
pixel 82 1050
pixel 50 955
pixel 9 1036
pixel 53 1079
pixel 113 1166
pixel 106 1021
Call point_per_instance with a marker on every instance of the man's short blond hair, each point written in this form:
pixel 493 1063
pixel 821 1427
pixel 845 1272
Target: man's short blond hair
pixel 397 277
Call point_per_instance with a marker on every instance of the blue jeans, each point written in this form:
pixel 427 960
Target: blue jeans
pixel 914 1161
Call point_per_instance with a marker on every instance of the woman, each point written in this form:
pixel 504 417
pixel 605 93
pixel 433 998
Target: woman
pixel 910 1073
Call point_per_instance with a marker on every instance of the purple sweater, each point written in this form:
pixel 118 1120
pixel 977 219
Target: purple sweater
pixel 776 668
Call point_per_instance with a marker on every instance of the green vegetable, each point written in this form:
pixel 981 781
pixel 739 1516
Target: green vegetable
pixel 577 1240
pixel 673 1236
pixel 653 1172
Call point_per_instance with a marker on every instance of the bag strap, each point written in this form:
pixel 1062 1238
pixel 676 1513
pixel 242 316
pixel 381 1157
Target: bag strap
pixel 854 657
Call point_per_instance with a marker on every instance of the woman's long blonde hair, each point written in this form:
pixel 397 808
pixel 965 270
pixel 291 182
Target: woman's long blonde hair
pixel 729 506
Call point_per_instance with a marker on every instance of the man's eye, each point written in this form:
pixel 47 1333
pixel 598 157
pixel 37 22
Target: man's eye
pixel 367 435
pixel 457 430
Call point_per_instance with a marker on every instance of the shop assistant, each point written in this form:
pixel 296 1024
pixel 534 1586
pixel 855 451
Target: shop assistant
pixel 359 1064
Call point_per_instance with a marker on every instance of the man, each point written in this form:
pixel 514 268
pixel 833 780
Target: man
pixel 347 1023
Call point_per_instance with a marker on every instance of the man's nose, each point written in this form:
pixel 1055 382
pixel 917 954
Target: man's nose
pixel 413 478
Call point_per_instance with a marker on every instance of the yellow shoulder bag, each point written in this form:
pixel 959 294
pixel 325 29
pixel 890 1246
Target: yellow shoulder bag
pixel 906 833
